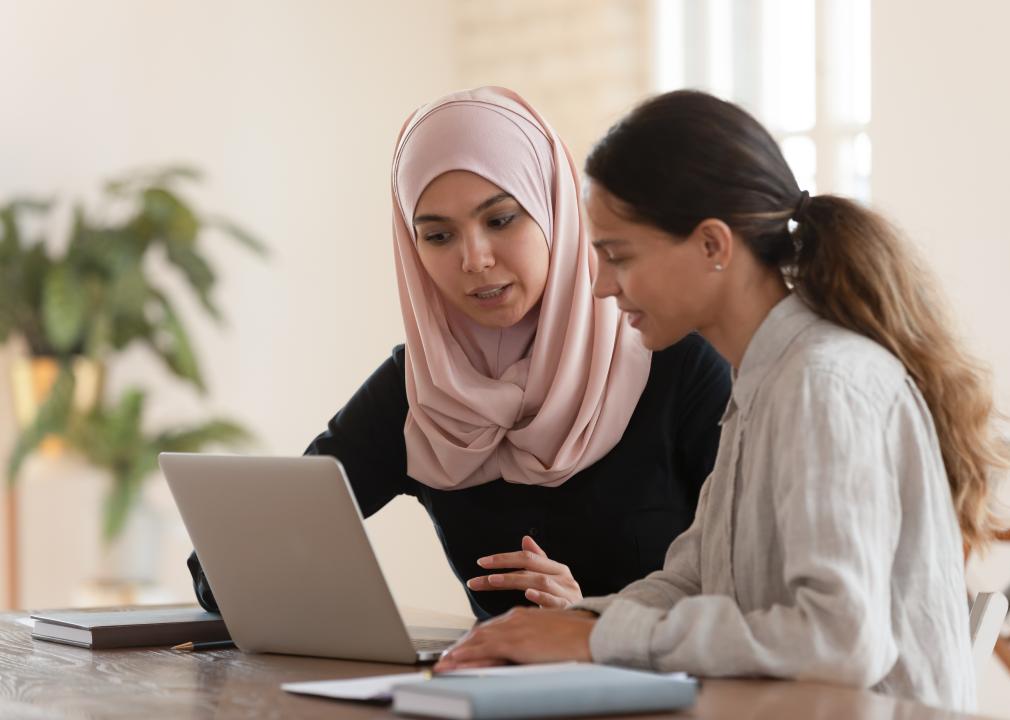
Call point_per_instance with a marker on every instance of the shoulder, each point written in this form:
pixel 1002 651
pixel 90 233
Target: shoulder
pixel 392 368
pixel 386 387
pixel 690 355
pixel 831 360
pixel 690 380
pixel 398 357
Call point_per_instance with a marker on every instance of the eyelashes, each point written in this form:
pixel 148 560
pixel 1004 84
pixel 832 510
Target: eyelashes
pixel 501 221
pixel 498 222
pixel 436 238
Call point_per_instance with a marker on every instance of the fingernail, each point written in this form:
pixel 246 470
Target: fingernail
pixel 483 562
pixel 471 583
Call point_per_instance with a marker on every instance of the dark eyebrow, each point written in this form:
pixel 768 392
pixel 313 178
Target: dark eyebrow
pixel 493 200
pixel 604 242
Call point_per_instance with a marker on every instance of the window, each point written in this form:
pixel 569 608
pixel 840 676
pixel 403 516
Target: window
pixel 802 67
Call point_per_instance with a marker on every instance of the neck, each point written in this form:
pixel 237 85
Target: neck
pixel 748 301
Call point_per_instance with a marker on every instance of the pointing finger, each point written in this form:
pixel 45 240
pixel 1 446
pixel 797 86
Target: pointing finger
pixel 524 559
pixel 532 546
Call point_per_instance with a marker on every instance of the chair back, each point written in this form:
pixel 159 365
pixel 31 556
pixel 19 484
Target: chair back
pixel 988 612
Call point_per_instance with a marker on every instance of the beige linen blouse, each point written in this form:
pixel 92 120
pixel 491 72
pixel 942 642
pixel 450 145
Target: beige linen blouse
pixel 825 544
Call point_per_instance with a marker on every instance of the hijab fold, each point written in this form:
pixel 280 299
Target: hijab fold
pixel 536 402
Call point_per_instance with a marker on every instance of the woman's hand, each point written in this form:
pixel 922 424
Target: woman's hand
pixel 523 635
pixel 544 581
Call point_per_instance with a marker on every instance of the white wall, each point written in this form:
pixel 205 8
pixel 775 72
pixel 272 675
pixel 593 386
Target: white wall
pixel 292 109
pixel 941 150
pixel 941 153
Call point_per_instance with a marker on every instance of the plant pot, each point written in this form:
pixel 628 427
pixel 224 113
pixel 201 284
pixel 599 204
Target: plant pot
pixel 33 377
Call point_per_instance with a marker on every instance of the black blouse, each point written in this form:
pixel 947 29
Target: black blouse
pixel 611 523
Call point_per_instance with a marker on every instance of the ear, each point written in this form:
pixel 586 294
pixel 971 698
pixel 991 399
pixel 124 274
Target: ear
pixel 715 242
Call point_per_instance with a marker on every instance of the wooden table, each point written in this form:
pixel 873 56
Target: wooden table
pixel 47 680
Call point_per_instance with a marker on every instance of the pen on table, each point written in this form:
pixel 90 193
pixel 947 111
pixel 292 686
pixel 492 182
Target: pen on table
pixel 214 645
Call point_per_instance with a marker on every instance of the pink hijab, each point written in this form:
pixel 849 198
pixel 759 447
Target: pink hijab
pixel 536 402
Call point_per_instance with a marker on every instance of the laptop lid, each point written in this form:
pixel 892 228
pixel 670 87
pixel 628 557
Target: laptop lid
pixel 285 550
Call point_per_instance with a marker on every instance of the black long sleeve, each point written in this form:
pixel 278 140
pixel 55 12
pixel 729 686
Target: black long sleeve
pixel 367 437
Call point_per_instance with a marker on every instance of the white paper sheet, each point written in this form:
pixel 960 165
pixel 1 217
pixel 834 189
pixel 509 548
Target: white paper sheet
pixel 379 688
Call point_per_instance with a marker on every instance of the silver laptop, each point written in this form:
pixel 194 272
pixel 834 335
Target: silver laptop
pixel 285 551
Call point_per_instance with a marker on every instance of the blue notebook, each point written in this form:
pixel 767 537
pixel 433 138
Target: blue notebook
pixel 584 689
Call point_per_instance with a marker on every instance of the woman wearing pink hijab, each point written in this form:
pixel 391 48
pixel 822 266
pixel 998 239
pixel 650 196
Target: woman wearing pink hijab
pixel 547 445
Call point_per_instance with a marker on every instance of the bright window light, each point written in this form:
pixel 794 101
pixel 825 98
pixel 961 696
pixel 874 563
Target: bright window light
pixel 801 66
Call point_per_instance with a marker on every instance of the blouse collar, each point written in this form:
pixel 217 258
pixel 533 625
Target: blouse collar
pixel 790 317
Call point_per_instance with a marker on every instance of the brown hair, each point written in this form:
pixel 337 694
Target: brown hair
pixel 685 156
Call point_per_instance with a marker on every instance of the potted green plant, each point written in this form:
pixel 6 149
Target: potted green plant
pixel 75 308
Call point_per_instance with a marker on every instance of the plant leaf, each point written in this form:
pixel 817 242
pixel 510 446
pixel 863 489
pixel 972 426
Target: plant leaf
pixel 165 175
pixel 129 290
pixel 125 490
pixel 127 328
pixel 195 439
pixel 29 280
pixel 10 239
pixel 173 218
pixel 199 273
pixel 51 418
pixel 109 436
pixel 127 485
pixel 89 435
pixel 238 233
pixel 131 182
pixel 64 308
pixel 9 301
pixel 123 427
pixel 115 508
pixel 99 335
pixel 174 345
pixel 6 318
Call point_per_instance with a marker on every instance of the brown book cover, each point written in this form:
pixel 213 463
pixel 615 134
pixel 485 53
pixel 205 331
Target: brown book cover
pixel 102 629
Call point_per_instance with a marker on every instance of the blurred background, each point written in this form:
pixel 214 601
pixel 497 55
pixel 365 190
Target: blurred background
pixel 290 111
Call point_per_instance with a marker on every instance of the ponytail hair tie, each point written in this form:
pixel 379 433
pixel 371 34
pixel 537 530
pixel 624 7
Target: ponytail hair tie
pixel 801 207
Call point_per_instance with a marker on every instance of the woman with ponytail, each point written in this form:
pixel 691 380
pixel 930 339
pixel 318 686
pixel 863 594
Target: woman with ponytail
pixel 858 449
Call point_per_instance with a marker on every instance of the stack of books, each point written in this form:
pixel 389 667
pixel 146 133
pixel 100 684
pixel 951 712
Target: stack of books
pixel 135 627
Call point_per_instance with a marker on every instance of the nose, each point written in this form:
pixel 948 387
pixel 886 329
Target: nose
pixel 605 285
pixel 478 255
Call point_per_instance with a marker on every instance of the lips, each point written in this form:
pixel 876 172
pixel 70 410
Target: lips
pixel 634 317
pixel 491 297
pixel 489 292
